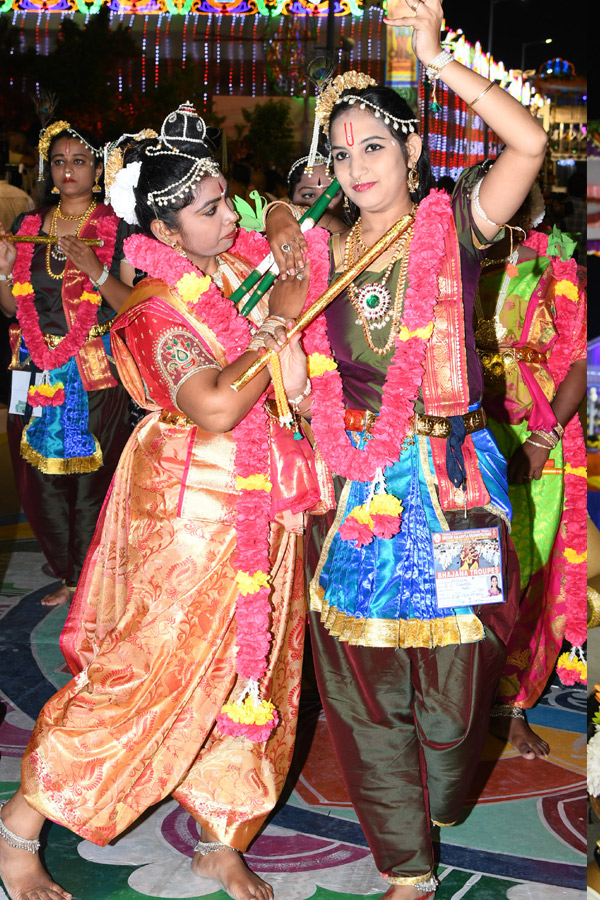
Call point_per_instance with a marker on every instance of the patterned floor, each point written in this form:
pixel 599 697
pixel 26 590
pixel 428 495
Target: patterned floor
pixel 523 836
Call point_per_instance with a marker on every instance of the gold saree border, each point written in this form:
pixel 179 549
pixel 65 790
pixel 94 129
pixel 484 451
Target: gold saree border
pixel 428 633
pixel 76 465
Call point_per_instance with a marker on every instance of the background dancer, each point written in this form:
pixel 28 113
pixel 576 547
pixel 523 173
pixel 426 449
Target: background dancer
pixel 65 437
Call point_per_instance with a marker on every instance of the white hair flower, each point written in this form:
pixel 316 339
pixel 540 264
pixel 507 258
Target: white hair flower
pixel 122 198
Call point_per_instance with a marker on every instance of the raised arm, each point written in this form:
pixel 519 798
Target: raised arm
pixel 507 183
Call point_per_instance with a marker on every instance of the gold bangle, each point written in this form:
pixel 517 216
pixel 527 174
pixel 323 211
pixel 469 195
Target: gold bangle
pixel 482 94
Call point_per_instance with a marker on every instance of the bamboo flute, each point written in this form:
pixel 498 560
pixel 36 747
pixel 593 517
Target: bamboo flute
pixel 47 239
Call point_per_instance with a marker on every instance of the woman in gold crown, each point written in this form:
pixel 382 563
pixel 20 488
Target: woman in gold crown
pixel 406 679
pixel 68 419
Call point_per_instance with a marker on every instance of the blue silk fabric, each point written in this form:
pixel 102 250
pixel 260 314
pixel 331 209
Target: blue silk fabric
pixel 61 432
pixel 394 578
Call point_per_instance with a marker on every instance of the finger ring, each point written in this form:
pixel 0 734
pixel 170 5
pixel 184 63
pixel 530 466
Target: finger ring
pixel 299 277
pixel 286 248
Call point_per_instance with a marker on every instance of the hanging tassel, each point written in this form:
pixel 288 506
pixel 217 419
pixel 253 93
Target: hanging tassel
pixel 249 716
pixel 312 153
pixel 380 516
pixel 572 667
pixel 45 393
pixel 286 419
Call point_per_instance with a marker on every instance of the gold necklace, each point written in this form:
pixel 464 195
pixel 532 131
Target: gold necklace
pixel 373 302
pixel 62 215
pixel 52 251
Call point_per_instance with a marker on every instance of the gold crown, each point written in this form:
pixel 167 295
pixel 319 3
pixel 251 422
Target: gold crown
pixel 334 90
pixel 49 133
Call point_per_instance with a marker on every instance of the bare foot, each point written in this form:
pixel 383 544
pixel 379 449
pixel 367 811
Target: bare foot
pixel 59 597
pixel 518 733
pixel 22 873
pixel 229 869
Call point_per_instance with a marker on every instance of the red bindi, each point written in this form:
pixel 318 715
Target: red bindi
pixel 349 134
pixel 67 147
pixel 222 188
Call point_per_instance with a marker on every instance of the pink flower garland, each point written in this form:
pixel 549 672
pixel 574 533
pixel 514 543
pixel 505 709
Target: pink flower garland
pixel 405 372
pixel 253 508
pixel 573 540
pixel 44 357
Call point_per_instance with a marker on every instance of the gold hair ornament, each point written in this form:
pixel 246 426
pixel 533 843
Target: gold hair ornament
pixel 48 134
pixel 331 97
pixel 115 152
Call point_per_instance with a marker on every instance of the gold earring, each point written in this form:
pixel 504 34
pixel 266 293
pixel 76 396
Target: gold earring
pixel 55 190
pixel 413 180
pixel 96 189
pixel 179 249
pixel 346 203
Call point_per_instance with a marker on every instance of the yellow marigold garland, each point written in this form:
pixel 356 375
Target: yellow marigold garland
pixel 253 483
pixel 250 584
pixel 318 364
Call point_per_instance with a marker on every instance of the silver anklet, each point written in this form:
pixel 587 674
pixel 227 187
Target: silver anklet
pixel 505 710
pixel 204 847
pixel 425 887
pixel 13 840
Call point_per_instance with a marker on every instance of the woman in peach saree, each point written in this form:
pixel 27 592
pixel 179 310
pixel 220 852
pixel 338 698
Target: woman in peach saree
pixel 186 633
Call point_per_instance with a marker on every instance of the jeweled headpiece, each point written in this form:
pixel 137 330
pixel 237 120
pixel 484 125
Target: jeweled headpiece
pixel 48 134
pixel 406 125
pixel 331 96
pixel 186 127
pixel 319 160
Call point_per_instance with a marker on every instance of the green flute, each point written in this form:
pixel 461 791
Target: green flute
pixel 311 215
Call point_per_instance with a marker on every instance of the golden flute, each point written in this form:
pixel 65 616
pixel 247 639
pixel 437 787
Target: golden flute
pixel 325 299
pixel 47 239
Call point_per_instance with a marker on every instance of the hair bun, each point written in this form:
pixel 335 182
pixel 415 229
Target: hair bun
pixel 183 127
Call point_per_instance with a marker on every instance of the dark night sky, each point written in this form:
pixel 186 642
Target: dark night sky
pixel 520 21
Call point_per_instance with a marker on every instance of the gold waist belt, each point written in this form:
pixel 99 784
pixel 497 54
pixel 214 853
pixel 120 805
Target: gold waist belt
pixel 496 362
pixel 430 426
pixel 96 331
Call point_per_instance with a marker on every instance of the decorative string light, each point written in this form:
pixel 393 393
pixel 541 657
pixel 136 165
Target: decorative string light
pixel 217 86
pixel 144 42
pixel 37 34
pixel 232 59
pixel 184 41
pixel 157 50
pixel 254 24
pixel 242 52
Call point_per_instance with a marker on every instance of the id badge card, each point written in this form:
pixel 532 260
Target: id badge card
pixel 468 567
pixel 20 384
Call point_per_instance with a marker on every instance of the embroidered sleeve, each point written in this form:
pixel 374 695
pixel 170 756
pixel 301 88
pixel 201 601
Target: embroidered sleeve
pixel 180 355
